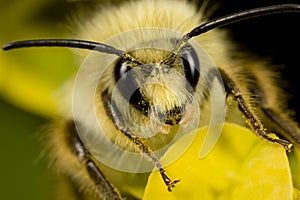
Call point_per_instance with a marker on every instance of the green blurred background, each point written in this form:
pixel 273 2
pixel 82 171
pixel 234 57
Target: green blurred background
pixel 28 77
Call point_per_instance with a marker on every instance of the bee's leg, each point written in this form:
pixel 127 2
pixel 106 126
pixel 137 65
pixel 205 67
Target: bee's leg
pixel 118 121
pixel 280 121
pixel 250 117
pixel 103 186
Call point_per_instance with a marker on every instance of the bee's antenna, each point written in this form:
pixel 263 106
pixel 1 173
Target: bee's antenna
pixel 81 44
pixel 230 19
pixel 240 16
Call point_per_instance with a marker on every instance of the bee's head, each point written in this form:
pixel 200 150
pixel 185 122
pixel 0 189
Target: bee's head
pixel 160 83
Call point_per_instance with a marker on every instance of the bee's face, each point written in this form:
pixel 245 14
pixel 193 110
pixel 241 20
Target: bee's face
pixel 172 77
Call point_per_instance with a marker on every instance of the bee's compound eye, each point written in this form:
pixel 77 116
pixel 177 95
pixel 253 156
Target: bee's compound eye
pixel 190 64
pixel 124 78
pixel 121 69
pixel 127 85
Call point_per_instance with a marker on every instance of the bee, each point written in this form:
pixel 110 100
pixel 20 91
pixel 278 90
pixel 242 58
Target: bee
pixel 150 75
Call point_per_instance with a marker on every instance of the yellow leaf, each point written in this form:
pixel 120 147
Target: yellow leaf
pixel 240 166
pixel 32 86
